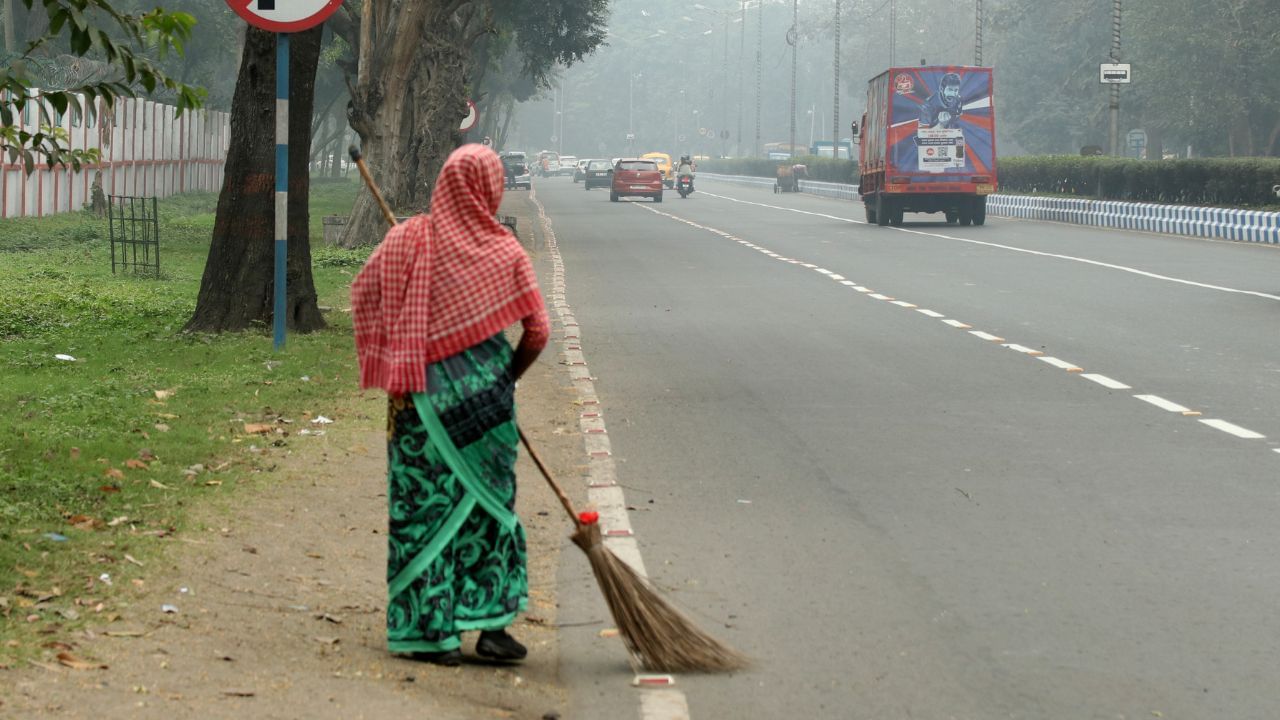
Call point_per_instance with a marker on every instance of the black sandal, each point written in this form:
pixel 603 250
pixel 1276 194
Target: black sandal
pixel 447 658
pixel 498 645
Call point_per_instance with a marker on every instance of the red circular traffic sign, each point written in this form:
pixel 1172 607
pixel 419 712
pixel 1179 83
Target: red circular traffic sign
pixel 472 118
pixel 284 16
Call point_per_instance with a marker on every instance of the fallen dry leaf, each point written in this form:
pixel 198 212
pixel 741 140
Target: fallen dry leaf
pixel 115 473
pixel 336 619
pixel 133 464
pixel 160 485
pixel 75 453
pixel 109 488
pixel 328 640
pixel 258 427
pixel 146 454
pixel 165 394
pixel 238 693
pixel 125 633
pixel 162 427
pixel 75 663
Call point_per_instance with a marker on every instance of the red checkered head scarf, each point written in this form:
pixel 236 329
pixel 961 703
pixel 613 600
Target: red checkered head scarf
pixel 441 283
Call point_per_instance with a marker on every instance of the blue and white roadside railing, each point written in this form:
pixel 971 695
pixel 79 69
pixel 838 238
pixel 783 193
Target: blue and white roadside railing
pixel 1225 223
pixel 1210 222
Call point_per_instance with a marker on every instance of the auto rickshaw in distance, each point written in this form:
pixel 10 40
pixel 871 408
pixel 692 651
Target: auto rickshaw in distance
pixel 789 177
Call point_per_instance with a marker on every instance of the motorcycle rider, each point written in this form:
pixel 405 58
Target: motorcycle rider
pixel 685 168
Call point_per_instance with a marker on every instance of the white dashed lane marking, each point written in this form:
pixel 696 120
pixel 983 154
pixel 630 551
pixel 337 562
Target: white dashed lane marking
pixel 1163 404
pixel 1105 381
pixel 1232 429
pixel 1059 363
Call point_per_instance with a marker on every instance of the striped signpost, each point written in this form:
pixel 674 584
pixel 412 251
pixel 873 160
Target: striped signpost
pixel 287 16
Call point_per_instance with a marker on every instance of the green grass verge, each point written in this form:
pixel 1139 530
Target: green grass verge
pixel 103 456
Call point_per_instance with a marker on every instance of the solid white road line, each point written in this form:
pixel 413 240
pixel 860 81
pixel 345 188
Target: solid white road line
pixel 1105 381
pixel 1232 429
pixel 1163 404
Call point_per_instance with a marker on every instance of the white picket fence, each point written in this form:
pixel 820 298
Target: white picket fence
pixel 146 150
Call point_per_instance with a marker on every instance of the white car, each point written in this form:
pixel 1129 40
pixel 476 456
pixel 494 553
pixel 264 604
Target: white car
pixel 567 165
pixel 580 171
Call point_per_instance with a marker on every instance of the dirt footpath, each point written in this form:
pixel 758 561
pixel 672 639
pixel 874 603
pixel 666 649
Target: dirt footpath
pixel 279 600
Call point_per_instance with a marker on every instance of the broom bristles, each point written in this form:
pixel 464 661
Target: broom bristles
pixel 658 635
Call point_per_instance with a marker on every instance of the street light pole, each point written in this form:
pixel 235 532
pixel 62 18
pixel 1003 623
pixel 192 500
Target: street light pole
pixel 759 51
pixel 893 31
pixel 742 60
pixel 1115 87
pixel 794 37
pixel 977 33
pixel 835 103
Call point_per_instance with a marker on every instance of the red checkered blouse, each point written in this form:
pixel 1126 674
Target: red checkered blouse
pixel 441 283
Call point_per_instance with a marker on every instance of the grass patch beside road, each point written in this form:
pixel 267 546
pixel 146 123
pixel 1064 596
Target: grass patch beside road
pixel 102 456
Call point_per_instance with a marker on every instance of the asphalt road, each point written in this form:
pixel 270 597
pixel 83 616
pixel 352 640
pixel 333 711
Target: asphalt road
pixel 900 518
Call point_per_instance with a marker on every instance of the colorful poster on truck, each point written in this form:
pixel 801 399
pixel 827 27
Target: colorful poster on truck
pixel 941 122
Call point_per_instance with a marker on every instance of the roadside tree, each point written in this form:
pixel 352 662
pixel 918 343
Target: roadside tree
pixel 236 291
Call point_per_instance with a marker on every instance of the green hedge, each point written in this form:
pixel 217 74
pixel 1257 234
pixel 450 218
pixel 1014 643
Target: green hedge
pixel 820 168
pixel 1217 181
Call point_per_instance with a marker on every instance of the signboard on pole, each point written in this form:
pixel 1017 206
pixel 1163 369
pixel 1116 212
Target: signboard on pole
pixel 471 119
pixel 1114 73
pixel 284 15
pixel 1137 140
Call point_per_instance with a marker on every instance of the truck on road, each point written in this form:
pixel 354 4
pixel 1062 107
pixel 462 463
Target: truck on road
pixel 927 144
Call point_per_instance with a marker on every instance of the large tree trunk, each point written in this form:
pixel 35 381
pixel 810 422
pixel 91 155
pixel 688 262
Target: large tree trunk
pixel 406 106
pixel 238 284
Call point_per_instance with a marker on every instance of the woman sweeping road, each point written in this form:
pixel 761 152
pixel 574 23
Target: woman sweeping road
pixel 429 307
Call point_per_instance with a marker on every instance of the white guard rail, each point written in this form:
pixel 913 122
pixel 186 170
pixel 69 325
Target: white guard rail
pixel 1225 223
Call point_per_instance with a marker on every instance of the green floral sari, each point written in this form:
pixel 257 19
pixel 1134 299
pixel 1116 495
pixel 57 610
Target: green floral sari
pixel 457 550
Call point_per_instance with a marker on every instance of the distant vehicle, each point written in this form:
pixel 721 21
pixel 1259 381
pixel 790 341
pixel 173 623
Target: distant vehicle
pixel 634 177
pixel 567 165
pixel 548 163
pixel 664 164
pixel 825 148
pixel 783 151
pixel 928 144
pixel 684 186
pixel 580 169
pixel 516 168
pixel 598 173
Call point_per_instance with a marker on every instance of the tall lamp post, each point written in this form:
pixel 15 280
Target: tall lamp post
pixel 1115 87
pixel 793 39
pixel 835 103
pixel 977 33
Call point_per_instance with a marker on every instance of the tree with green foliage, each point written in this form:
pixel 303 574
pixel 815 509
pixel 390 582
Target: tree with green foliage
pixel 415 73
pixel 93 29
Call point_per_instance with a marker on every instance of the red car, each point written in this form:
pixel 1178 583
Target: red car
pixel 636 177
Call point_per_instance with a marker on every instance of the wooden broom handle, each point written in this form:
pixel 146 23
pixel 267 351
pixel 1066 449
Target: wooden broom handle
pixel 358 159
pixel 546 473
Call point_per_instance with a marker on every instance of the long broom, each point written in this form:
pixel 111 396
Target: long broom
pixel 659 636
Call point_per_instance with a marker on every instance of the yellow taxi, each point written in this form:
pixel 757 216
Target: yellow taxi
pixel 664 165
